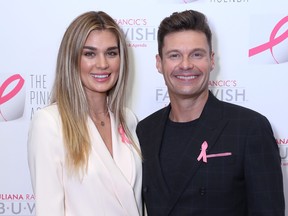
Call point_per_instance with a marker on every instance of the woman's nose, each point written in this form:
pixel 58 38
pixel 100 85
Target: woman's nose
pixel 101 62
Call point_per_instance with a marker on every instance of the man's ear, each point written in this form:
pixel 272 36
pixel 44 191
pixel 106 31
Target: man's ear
pixel 159 63
pixel 212 60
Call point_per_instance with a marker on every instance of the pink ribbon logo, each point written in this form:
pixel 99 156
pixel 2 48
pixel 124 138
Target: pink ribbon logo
pixel 273 40
pixel 188 1
pixel 202 154
pixel 14 91
pixel 123 135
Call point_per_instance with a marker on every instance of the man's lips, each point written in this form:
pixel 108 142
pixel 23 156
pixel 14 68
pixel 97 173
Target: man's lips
pixel 186 77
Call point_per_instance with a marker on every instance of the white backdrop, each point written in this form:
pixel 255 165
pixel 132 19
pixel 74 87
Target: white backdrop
pixel 250 42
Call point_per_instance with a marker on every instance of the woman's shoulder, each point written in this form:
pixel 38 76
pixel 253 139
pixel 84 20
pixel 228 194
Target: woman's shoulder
pixel 130 117
pixel 47 112
pixel 129 113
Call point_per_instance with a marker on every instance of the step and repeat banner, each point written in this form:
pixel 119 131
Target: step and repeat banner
pixel 250 44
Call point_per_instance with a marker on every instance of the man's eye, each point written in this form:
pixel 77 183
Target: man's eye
pixel 174 55
pixel 198 55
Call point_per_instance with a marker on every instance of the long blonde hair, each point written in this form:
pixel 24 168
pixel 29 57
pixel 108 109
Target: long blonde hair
pixel 68 91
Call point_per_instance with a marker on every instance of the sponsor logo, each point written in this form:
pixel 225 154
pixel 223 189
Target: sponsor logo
pixel 283 150
pixel 228 90
pixel 39 94
pixel 138 32
pixel 178 1
pixel 225 90
pixel 229 1
pixel 274 49
pixel 17 204
pixel 12 97
pixel 162 96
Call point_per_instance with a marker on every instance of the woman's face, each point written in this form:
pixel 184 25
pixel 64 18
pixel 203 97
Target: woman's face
pixel 100 62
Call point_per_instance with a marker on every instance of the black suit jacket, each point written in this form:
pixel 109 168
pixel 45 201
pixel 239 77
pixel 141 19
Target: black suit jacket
pixel 242 176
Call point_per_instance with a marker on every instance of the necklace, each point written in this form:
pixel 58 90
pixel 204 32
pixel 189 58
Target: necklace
pixel 102 122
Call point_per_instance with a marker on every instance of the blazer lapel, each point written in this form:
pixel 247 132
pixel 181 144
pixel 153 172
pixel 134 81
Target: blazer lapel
pixel 210 126
pixel 154 152
pixel 123 190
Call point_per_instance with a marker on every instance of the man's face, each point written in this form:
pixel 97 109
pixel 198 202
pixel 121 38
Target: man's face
pixel 186 63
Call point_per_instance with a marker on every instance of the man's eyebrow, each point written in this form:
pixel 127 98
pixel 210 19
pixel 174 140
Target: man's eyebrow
pixel 179 51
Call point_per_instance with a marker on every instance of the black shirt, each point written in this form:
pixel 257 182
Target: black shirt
pixel 177 136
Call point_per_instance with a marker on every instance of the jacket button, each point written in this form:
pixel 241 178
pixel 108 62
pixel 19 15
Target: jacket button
pixel 202 191
pixel 145 189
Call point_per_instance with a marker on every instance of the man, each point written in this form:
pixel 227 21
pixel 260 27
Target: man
pixel 202 156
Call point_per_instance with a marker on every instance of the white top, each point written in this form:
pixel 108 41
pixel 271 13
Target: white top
pixel 111 186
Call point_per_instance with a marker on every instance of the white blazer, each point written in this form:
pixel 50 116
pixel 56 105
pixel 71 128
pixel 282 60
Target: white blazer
pixel 111 186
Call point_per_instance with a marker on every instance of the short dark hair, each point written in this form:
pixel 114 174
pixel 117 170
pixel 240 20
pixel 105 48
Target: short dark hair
pixel 182 21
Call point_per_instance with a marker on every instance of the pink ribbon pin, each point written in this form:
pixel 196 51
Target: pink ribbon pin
pixel 123 135
pixel 202 154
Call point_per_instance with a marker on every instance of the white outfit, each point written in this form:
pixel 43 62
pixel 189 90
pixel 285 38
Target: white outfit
pixel 111 186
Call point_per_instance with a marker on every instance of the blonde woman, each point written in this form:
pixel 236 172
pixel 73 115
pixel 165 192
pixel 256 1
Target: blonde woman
pixel 83 152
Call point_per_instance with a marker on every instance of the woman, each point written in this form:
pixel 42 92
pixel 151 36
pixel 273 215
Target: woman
pixel 83 154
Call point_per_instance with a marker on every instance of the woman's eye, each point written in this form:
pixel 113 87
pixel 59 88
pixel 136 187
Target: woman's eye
pixel 112 53
pixel 89 54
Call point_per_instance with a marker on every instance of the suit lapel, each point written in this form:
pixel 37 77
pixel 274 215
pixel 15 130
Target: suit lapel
pixel 209 128
pixel 157 140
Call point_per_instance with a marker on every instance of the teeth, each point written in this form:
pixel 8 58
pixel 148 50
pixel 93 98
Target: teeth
pixel 186 77
pixel 100 76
